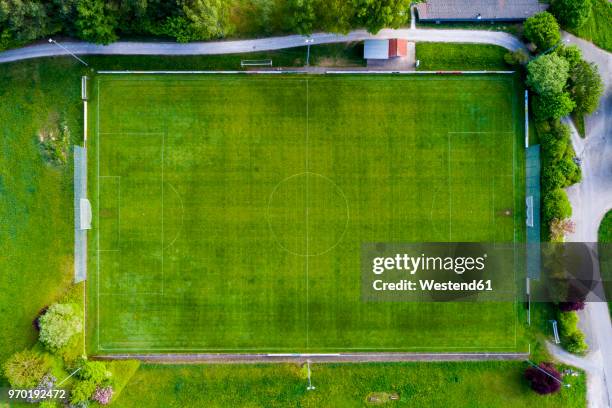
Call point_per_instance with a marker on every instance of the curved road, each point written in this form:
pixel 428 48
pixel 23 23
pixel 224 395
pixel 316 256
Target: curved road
pixel 264 44
pixel 591 199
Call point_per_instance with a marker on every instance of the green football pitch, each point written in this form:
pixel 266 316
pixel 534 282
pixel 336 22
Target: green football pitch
pixel 229 211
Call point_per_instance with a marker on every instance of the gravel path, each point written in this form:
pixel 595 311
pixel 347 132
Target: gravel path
pixel 263 44
pixel 591 199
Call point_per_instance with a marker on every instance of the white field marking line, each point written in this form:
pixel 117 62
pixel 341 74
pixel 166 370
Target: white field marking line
pixel 337 349
pixel 182 215
pixel 450 193
pixel 98 145
pixel 493 210
pixel 307 244
pixel 162 214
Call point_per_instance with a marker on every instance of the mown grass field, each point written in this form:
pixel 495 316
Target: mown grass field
pixel 597 28
pixel 469 385
pixel 229 211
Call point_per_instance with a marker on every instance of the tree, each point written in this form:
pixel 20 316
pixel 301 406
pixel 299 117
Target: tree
pixel 571 306
pixel 25 20
pixel 559 228
pixel 548 74
pixel 59 324
pixel 544 379
pixel 556 205
pixel 570 53
pixel 552 106
pixel 337 15
pixel 300 16
pixel 572 13
pixel 375 15
pixel 82 391
pixel 543 30
pixel 586 86
pixel 209 18
pixel 103 395
pixel 25 369
pixel 96 22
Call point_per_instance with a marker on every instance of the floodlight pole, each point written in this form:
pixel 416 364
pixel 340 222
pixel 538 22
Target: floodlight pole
pixel 52 41
pixel 308 42
pixel 310 387
pixel 549 374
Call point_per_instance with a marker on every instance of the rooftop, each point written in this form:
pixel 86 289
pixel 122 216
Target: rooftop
pixel 479 9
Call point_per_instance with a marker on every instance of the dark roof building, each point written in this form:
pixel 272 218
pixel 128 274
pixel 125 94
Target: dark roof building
pixel 478 10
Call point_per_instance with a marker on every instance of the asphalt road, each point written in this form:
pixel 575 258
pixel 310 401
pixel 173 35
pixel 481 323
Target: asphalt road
pixel 591 199
pixel 264 44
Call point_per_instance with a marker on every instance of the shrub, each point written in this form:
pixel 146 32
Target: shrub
pixel 571 306
pixel 548 74
pixel 568 322
pixel 543 30
pixel 94 371
pixel 26 368
pixel 82 391
pixel 518 57
pixel 59 324
pixel 54 141
pixel 556 205
pixel 558 230
pixel 574 343
pixel 572 13
pixel 552 105
pixel 552 177
pixel 541 379
pixel 103 395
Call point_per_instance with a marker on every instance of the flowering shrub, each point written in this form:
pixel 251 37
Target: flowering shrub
pixel 103 395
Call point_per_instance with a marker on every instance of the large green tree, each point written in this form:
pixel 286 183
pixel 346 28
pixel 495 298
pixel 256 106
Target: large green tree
pixel 586 86
pixel 548 74
pixel 25 20
pixel 300 16
pixel 572 13
pixel 375 15
pixel 543 30
pixel 59 323
pixel 25 368
pixel 96 21
pixel 209 18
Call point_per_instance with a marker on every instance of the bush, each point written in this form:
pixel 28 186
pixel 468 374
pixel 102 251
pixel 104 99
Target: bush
pixel 568 322
pixel 59 324
pixel 94 371
pixel 571 306
pixel 518 57
pixel 552 106
pixel 556 205
pixel 103 395
pixel 543 30
pixel 82 391
pixel 571 53
pixel 572 13
pixel 558 230
pixel 548 74
pixel 26 368
pixel 541 379
pixel 574 343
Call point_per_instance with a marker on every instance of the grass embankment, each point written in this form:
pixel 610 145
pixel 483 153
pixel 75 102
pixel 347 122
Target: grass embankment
pixel 605 253
pixel 598 28
pixel 494 384
pixel 444 56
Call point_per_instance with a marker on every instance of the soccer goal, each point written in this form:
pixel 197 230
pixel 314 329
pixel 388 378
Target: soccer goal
pixel 256 63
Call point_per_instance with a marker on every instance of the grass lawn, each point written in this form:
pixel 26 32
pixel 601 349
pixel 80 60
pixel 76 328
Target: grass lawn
pixel 231 209
pixel 597 28
pixel 605 238
pixel 36 221
pixel 471 385
pixel 443 56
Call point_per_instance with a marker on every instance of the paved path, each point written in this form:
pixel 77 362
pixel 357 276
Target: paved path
pixel 264 44
pixel 320 358
pixel 591 199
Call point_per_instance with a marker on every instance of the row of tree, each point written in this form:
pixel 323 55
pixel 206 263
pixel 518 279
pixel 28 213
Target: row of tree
pixel 104 21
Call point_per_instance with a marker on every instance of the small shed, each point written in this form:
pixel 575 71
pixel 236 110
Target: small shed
pixel 385 49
